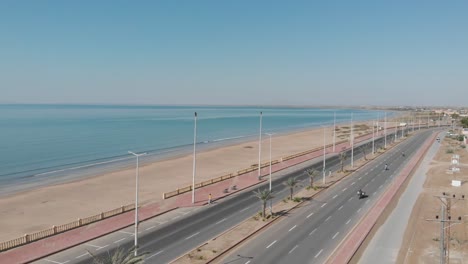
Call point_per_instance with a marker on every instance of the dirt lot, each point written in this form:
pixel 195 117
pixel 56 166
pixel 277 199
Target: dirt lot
pixel 422 238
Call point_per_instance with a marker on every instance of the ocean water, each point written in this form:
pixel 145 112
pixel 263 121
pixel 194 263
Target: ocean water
pixel 50 143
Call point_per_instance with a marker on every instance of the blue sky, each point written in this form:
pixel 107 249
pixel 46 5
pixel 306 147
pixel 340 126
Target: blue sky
pixel 234 52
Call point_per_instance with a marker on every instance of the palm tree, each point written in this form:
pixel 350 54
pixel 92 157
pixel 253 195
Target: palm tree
pixel 343 157
pixel 264 196
pixel 312 173
pixel 291 183
pixel 119 256
pixel 363 149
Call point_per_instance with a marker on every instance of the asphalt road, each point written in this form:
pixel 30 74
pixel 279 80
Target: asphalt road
pixel 310 233
pixel 165 242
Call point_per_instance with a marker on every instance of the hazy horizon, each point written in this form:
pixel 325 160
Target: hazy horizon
pixel 243 53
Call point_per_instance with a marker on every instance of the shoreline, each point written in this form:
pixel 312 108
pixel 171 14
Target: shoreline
pixel 63 202
pixel 95 168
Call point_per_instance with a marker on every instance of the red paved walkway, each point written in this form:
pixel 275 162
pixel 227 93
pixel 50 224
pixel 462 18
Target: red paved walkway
pixel 59 242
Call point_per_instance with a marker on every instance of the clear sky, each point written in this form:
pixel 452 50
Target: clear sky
pixel 235 52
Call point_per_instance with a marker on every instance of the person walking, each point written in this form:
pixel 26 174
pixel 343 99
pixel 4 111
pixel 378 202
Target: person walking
pixel 209 198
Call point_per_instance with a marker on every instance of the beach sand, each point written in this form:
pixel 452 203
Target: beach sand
pixel 41 208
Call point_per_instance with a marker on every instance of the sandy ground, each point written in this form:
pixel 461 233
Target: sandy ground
pixel 421 240
pixel 39 209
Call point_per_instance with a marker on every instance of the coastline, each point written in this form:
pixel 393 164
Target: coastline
pixel 60 203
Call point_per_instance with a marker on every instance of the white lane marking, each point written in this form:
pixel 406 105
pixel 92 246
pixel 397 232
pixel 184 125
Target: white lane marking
pixel 102 247
pixel 161 223
pixel 318 254
pixel 87 253
pixel 372 179
pixel 313 231
pixel 292 249
pixel 367 201
pixel 56 261
pixel 328 218
pixel 155 254
pixel 374 193
pixel 310 215
pixel 90 245
pixel 115 242
pixel 359 178
pixel 149 228
pixel 367 173
pixel 359 209
pixel 335 196
pixel 271 244
pixel 220 221
pixel 125 232
pixel 176 217
pixel 335 235
pixel 247 262
pixel 323 205
pixel 366 184
pixel 244 209
pixel 348 221
pixel 380 186
pixel 350 199
pixel 292 228
pixel 344 189
pixel 184 213
pixel 341 207
pixel 192 235
pixel 353 183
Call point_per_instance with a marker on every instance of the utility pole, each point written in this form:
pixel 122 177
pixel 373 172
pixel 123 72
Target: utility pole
pixel 446 218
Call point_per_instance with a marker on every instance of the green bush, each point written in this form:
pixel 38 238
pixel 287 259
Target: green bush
pixel 449 151
pixel 297 199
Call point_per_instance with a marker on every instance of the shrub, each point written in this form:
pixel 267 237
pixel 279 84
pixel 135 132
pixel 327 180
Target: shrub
pixel 463 146
pixel 449 151
pixel 297 199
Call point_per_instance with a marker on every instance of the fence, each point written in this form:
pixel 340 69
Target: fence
pixel 27 238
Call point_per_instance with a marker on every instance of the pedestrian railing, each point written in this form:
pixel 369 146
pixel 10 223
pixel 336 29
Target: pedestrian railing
pixel 27 238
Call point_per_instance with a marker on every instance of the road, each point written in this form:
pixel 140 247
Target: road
pixel 177 233
pixel 386 243
pixel 312 232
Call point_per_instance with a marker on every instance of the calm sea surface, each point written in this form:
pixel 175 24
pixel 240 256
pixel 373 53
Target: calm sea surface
pixel 47 143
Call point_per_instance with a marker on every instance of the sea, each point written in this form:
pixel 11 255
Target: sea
pixel 43 144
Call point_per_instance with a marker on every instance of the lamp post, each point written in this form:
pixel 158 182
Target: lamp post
pixel 352 142
pixel 373 137
pixel 260 148
pixel 271 206
pixel 385 130
pixel 136 200
pixel 334 130
pixel 324 127
pixel 194 157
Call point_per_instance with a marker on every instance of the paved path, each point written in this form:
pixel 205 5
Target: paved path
pixel 386 243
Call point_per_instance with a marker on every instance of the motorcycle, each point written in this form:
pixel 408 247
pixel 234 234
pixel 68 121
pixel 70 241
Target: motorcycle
pixel 361 194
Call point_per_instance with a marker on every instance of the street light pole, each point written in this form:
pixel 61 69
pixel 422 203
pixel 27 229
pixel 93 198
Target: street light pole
pixel 334 130
pixel 352 142
pixel 260 148
pixel 136 200
pixel 324 154
pixel 194 157
pixel 385 130
pixel 271 206
pixel 373 137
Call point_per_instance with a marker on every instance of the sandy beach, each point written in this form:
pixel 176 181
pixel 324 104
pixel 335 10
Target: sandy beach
pixel 41 208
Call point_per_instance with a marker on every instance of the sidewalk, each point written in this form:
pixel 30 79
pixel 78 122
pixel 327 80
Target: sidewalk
pixel 50 245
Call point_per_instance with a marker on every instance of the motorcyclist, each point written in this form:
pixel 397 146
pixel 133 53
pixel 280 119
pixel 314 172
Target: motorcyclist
pixel 386 167
pixel 403 153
